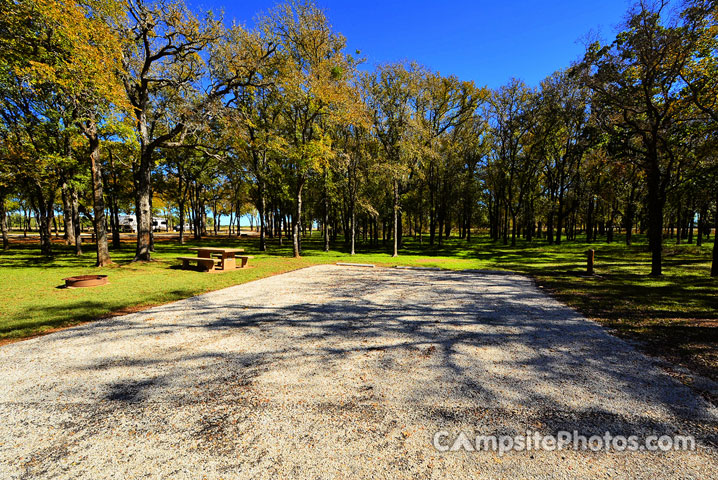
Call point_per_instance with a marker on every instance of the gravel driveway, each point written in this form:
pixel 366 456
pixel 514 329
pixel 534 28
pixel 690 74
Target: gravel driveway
pixel 336 372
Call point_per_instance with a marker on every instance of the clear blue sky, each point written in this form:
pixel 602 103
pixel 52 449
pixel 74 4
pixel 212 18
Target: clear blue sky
pixel 485 41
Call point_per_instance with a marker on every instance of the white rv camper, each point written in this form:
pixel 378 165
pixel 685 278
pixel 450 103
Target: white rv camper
pixel 159 224
pixel 128 223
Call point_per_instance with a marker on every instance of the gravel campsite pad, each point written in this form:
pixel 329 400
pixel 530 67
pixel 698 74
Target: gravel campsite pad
pixel 340 372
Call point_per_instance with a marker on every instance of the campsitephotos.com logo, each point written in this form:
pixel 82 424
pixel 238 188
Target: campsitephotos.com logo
pixel 445 441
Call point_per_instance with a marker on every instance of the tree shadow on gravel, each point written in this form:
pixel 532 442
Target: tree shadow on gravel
pixel 461 343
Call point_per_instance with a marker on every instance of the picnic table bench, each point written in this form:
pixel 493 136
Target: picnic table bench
pixel 203 263
pixel 226 257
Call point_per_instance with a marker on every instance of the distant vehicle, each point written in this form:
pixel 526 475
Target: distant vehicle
pixel 187 227
pixel 128 223
pixel 159 224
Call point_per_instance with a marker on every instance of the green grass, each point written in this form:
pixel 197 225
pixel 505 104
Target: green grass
pixel 675 316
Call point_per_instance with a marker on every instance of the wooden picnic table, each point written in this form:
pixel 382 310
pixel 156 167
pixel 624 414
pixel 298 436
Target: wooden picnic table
pixel 228 255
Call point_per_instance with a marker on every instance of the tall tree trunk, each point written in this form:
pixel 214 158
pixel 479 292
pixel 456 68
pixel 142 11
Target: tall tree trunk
pixel 497 218
pixel 506 223
pixel 111 191
pixel 67 215
pixel 440 226
pixel 493 233
pixel 376 230
pixel 181 206
pixel 679 224
pixel 182 189
pixel 238 218
pixel 196 210
pixel 296 221
pixel 278 219
pixel 469 216
pixel 326 222
pixel 143 194
pixel 630 212
pixel 396 219
pixel 701 226
pixel 352 207
pixel 432 210
pixel 714 266
pixel 559 219
pixel 43 208
pixel 691 223
pixel 44 230
pixel 3 223
pixel 262 227
pixel 203 217
pixel 215 220
pixel 655 218
pixel 115 224
pixel 76 226
pixel 400 229
pixel 98 199
pixel 530 221
pixel 152 221
pixel 352 219
pixel 589 220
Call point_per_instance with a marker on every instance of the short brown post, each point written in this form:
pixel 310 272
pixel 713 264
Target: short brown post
pixel 589 262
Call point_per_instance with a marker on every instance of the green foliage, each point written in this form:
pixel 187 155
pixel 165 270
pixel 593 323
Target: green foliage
pixel 277 118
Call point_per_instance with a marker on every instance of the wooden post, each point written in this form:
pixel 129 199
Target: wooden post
pixel 589 263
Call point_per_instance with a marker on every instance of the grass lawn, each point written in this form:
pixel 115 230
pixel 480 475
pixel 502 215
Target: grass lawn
pixel 675 317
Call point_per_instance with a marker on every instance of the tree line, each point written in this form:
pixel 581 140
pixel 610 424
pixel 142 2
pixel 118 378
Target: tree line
pixel 110 106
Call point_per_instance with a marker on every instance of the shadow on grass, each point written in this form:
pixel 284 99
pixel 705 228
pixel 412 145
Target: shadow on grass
pixel 35 320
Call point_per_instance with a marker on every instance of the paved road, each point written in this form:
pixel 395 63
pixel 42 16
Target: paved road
pixel 335 372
